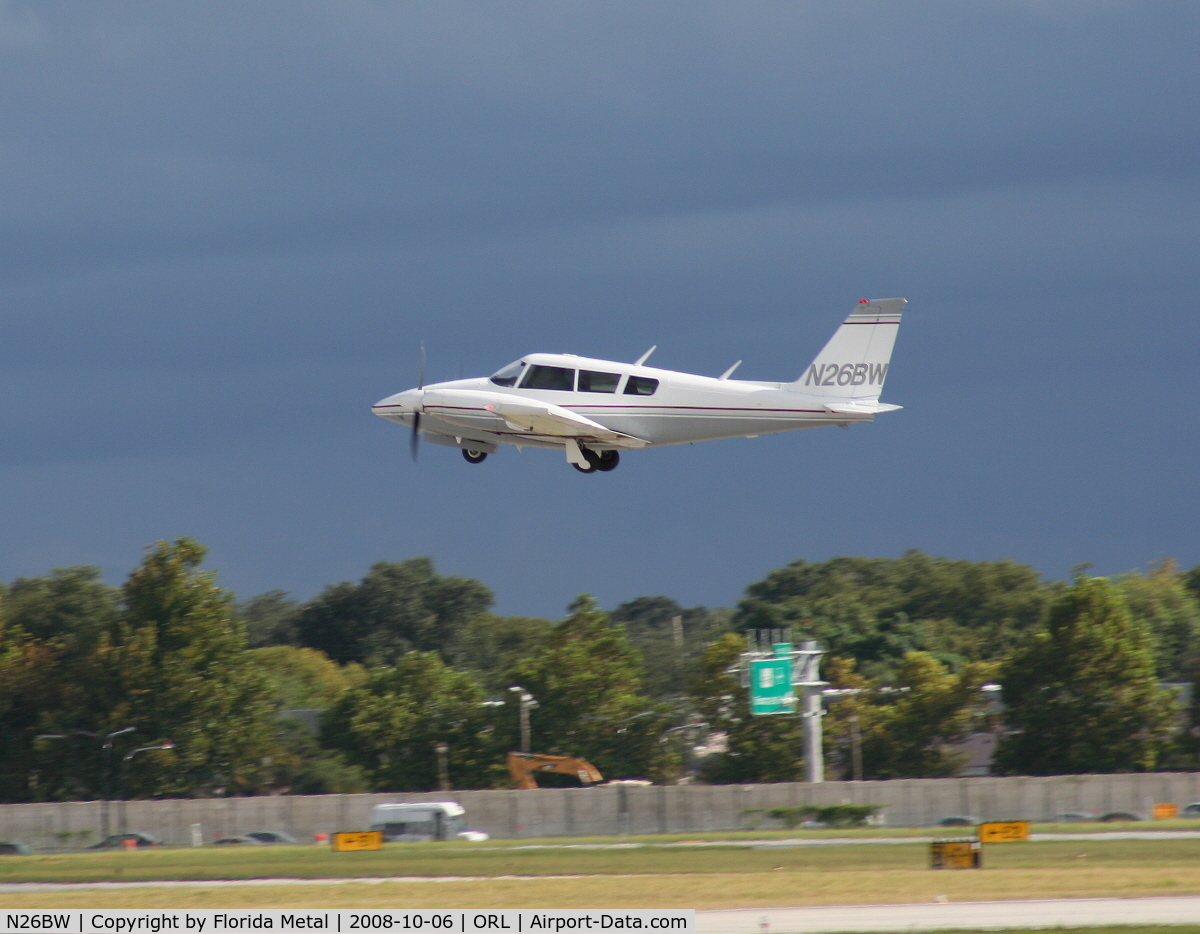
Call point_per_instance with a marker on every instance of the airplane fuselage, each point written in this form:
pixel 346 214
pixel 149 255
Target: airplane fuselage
pixel 682 409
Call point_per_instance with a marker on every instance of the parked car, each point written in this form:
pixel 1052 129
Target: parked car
pixel 1117 816
pixel 15 849
pixel 1073 817
pixel 958 820
pixel 116 841
pixel 272 836
pixel 256 838
pixel 1190 810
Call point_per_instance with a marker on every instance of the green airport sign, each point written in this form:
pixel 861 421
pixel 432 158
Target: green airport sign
pixel 771 687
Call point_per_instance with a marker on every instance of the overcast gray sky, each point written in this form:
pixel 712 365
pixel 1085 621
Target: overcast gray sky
pixel 225 227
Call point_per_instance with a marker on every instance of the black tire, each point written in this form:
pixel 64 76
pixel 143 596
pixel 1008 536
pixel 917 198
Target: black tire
pixel 608 460
pixel 593 459
pixel 474 457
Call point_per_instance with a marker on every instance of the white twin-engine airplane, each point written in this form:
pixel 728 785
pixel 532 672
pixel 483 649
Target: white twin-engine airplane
pixel 594 409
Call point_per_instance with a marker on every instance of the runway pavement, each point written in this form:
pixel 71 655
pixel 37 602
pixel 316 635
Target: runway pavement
pixel 1065 912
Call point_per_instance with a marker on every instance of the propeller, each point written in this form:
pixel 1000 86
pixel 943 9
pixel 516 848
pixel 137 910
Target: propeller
pixel 414 439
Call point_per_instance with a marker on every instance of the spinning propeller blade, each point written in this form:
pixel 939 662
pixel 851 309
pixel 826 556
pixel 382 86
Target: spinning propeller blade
pixel 414 439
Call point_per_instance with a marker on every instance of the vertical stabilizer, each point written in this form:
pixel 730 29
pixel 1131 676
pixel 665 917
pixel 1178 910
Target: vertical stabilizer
pixel 854 364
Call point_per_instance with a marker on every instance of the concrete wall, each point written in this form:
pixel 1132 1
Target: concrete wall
pixel 612 810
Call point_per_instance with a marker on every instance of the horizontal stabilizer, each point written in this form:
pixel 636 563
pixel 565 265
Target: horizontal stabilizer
pixel 860 408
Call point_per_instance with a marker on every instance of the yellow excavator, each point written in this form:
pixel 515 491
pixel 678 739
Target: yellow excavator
pixel 523 766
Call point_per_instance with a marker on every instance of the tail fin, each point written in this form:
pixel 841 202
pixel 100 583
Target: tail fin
pixel 854 364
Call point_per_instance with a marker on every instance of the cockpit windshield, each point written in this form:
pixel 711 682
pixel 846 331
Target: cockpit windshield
pixel 509 375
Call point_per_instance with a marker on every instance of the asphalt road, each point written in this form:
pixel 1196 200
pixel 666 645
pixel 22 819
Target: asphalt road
pixel 1064 912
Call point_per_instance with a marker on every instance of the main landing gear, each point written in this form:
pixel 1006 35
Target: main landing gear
pixel 598 460
pixel 474 457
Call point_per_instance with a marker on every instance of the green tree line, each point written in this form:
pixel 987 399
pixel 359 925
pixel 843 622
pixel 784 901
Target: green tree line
pixel 357 688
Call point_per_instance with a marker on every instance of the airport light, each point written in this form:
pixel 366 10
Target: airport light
pixel 106 745
pixel 124 773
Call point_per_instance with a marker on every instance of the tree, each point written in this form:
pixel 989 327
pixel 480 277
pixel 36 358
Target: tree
pixel 907 730
pixel 1191 580
pixel 586 681
pixel 1161 601
pixel 1082 694
pixel 758 749
pixel 490 645
pixel 173 666
pixel 304 678
pixel 878 609
pixel 391 725
pixel 30 686
pixel 396 608
pixel 668 655
pixel 269 619
pixel 64 605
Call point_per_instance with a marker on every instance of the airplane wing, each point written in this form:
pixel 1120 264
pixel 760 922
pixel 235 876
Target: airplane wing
pixel 528 415
pixel 523 415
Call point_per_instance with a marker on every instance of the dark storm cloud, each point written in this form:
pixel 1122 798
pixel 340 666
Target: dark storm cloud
pixel 224 227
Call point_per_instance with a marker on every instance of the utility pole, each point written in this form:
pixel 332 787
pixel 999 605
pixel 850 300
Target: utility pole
pixel 442 751
pixel 806 676
pixel 527 703
pixel 855 749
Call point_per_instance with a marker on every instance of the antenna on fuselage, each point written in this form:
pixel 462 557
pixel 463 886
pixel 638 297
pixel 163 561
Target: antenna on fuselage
pixel 646 356
pixel 728 373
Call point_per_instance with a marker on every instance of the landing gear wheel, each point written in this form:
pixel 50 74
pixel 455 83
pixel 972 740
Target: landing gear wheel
pixel 608 460
pixel 593 461
pixel 474 457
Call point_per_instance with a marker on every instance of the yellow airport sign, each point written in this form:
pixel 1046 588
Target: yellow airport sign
pixel 1165 811
pixel 349 841
pixel 955 854
pixel 1008 831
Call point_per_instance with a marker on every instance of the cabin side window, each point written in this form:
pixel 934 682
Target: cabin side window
pixel 549 377
pixel 641 386
pixel 592 381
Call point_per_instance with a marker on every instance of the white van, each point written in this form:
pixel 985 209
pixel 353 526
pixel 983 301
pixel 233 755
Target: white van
pixel 419 821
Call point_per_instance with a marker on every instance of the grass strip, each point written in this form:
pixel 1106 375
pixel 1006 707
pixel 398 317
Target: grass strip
pixel 775 888
pixel 311 862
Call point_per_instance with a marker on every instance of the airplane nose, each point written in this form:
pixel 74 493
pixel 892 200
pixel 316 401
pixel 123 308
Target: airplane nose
pixel 397 405
pixel 391 405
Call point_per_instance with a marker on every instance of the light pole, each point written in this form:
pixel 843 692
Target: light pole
pixel 106 745
pixel 689 747
pixel 166 744
pixel 527 703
